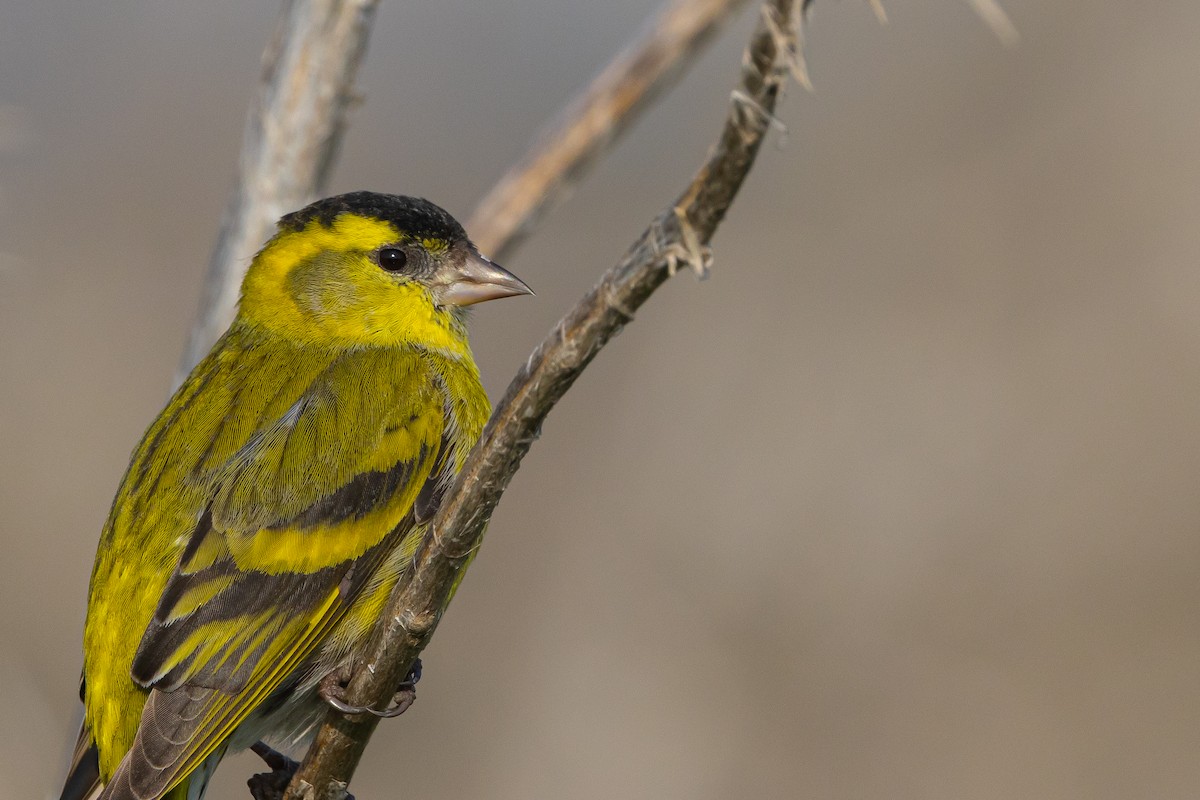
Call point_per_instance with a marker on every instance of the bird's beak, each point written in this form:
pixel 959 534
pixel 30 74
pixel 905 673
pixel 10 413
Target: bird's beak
pixel 477 279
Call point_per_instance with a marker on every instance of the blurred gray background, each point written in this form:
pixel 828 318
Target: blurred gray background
pixel 901 503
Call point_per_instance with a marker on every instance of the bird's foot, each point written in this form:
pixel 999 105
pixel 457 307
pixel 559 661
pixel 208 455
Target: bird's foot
pixel 273 785
pixel 333 692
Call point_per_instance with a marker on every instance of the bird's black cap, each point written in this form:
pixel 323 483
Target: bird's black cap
pixel 413 215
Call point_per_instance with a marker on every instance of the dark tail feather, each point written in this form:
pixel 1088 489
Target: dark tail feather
pixel 83 780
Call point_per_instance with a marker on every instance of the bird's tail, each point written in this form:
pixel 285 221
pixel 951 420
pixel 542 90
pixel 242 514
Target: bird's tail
pixel 83 779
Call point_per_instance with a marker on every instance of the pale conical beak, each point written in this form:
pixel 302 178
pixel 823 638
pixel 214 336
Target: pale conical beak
pixel 477 280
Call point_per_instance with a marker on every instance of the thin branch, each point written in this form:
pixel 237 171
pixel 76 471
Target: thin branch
pixel 592 123
pixel 291 138
pixel 678 236
pixel 995 18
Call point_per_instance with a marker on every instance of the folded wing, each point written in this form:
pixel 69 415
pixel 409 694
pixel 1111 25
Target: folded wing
pixel 295 524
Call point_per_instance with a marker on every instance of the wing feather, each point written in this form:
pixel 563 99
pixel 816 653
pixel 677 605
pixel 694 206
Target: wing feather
pixel 83 778
pixel 295 523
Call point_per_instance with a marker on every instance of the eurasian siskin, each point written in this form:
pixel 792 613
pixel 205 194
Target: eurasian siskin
pixel 274 504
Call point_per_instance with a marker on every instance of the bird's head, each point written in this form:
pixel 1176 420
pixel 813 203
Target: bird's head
pixel 365 269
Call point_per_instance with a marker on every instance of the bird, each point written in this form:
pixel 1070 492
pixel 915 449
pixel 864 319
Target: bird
pixel 277 500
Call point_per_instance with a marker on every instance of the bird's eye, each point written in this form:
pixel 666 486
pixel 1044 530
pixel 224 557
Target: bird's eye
pixel 393 259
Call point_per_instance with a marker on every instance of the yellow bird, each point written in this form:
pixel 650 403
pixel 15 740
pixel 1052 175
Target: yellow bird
pixel 276 501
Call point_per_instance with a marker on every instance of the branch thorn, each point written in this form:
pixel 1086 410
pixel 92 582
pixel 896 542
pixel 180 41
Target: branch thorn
pixel 787 36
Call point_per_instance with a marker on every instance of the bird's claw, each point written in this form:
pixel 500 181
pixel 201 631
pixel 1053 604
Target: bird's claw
pixel 333 692
pixel 273 785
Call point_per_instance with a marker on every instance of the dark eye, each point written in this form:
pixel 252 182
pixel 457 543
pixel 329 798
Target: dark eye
pixel 393 259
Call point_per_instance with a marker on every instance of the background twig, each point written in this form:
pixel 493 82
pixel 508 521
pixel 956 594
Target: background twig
pixel 290 141
pixel 583 130
pixel 678 236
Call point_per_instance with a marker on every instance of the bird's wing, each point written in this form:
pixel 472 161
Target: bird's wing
pixel 295 524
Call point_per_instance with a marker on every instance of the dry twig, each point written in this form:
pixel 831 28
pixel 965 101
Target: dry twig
pixel 592 123
pixel 679 235
pixel 291 139
pixel 995 18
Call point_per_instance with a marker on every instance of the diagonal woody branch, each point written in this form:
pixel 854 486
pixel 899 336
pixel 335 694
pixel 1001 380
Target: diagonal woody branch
pixel 679 235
